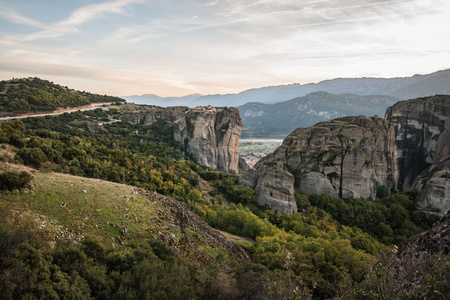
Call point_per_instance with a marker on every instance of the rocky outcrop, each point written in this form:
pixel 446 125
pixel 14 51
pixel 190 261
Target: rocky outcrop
pixel 243 166
pixel 434 184
pixel 346 157
pixel 190 227
pixel 210 135
pixel 417 269
pixel 435 240
pixel 273 185
pixel 361 156
pixel 422 142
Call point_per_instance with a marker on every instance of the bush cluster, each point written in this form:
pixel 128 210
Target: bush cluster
pixel 148 270
pixel 10 181
pixel 391 219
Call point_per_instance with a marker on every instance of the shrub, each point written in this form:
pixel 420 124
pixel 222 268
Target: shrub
pixel 381 191
pixel 10 181
pixel 16 141
pixel 315 168
pixel 34 157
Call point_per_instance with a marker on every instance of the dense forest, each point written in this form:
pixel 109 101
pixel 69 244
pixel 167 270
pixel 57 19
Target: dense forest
pixel 322 251
pixel 34 95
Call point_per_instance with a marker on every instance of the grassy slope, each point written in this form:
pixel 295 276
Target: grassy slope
pixel 72 207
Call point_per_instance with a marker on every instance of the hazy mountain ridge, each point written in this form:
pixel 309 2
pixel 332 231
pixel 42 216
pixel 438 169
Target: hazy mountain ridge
pixel 400 87
pixel 162 101
pixel 279 119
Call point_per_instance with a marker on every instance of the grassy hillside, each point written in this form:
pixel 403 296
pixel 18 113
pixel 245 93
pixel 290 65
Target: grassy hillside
pixel 71 208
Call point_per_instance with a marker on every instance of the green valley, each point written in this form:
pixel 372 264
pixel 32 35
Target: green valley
pixel 107 208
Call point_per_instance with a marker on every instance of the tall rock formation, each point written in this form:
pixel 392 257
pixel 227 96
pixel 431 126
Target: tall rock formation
pixel 345 157
pixel 422 141
pixel 363 157
pixel 210 135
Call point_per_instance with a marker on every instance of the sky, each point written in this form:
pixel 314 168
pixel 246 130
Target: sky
pixel 181 47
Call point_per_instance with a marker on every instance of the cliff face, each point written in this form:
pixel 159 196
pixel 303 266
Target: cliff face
pixel 435 185
pixel 210 135
pixel 422 142
pixel 360 156
pixel 422 135
pixel 346 157
pixel 273 185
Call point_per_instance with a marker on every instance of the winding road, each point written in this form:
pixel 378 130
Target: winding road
pixel 59 111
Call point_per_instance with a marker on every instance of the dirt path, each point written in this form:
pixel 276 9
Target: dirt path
pixel 58 111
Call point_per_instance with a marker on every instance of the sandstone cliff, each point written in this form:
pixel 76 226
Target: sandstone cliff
pixel 422 142
pixel 273 185
pixel 345 157
pixel 434 183
pixel 210 135
pixel 422 135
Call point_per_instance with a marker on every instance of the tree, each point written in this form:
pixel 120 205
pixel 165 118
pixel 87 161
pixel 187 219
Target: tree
pixel 195 196
pixel 381 191
pixel 34 157
pixel 14 181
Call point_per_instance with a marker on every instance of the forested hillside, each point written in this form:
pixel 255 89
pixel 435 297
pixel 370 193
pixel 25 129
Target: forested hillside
pixel 312 253
pixel 34 95
pixel 280 119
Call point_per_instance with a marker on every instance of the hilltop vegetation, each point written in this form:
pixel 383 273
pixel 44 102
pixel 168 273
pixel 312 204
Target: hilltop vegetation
pixel 34 95
pixel 67 231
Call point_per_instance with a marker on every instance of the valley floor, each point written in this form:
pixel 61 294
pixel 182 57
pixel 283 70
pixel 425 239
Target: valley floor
pixel 253 150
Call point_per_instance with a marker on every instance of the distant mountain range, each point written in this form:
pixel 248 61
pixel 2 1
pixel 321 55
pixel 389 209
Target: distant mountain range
pixel 275 111
pixel 402 88
pixel 279 119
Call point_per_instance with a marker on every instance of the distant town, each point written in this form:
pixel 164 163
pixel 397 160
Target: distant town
pixel 253 150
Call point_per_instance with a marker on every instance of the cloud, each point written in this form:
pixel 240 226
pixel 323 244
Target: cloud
pixel 78 17
pixel 14 17
pixel 132 34
pixel 93 11
pixel 106 81
pixel 316 13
